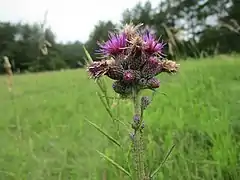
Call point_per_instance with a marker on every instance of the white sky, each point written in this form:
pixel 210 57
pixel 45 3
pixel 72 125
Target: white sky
pixel 70 20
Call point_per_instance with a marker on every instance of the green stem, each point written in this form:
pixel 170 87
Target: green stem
pixel 138 140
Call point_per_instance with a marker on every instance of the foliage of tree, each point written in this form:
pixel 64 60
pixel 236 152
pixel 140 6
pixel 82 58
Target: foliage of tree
pixel 182 24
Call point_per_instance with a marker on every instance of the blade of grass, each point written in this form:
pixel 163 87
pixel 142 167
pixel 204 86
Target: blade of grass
pixel 162 163
pixel 114 163
pixel 101 97
pixel 104 133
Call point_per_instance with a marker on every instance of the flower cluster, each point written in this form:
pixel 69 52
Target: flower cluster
pixel 132 59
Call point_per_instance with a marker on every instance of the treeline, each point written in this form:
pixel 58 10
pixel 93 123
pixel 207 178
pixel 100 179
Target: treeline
pixel 190 28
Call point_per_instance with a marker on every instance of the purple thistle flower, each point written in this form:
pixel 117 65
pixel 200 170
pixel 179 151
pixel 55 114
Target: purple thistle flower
pixel 152 46
pixel 132 60
pixel 134 63
pixel 114 46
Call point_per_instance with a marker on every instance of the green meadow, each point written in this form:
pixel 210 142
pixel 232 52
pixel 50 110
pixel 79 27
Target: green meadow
pixel 44 134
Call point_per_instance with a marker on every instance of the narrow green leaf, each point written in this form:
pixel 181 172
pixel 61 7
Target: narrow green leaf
pixel 102 85
pixel 109 110
pixel 100 82
pixel 128 157
pixel 115 164
pixel 162 163
pixel 104 133
pixel 85 60
pixel 106 107
pixel 88 55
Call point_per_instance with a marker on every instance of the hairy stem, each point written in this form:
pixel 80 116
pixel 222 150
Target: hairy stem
pixel 138 153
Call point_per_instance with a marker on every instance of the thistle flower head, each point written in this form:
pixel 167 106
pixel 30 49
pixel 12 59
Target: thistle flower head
pixel 152 45
pixel 114 46
pixel 135 61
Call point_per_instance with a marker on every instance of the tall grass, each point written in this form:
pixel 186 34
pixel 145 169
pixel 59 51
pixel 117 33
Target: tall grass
pixel 44 134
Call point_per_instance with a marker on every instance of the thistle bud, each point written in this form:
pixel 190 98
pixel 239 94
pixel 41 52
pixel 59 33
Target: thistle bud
pixel 153 83
pixel 145 101
pixel 115 72
pixel 121 88
pixel 150 68
pixel 130 76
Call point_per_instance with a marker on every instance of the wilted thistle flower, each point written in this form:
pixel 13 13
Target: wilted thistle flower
pixel 132 59
pixel 130 30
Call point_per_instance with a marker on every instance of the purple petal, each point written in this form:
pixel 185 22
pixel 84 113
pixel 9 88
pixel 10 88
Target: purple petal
pixel 152 46
pixel 114 46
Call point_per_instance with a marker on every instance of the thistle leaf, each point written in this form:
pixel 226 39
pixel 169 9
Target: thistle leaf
pixel 88 55
pixel 107 108
pixel 162 163
pixel 114 163
pixel 103 87
pixel 100 82
pixel 104 133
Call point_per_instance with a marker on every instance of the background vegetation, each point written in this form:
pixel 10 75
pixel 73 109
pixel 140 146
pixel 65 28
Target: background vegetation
pixel 42 129
pixel 44 134
pixel 191 29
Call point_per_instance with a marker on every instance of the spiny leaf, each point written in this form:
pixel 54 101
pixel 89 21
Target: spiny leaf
pixel 162 163
pixel 115 164
pixel 104 133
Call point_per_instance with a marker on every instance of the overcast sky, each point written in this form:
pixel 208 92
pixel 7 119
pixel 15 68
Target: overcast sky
pixel 70 19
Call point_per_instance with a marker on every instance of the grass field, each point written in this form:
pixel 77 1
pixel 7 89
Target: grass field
pixel 44 135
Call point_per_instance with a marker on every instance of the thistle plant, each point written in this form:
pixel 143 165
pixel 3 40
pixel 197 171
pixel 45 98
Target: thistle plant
pixel 133 58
